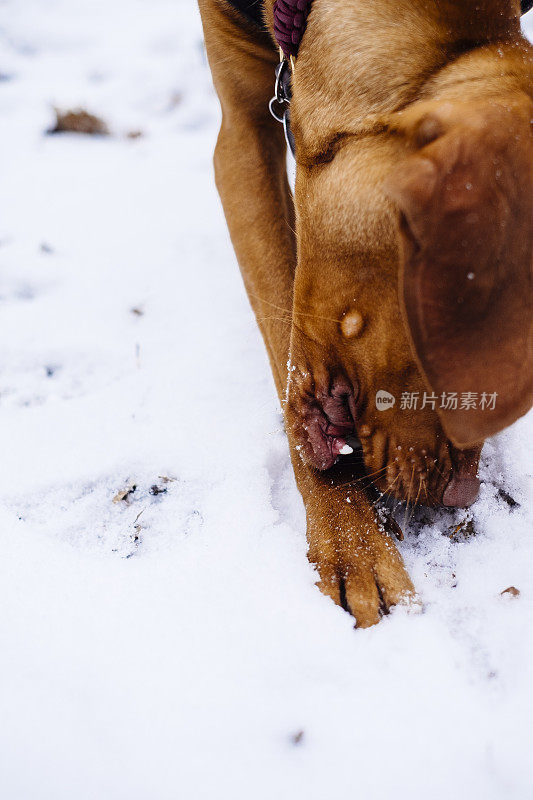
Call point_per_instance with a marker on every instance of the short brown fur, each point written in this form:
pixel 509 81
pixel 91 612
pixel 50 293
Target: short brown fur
pixel 368 77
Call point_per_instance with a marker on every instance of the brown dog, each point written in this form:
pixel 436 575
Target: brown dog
pixel 401 267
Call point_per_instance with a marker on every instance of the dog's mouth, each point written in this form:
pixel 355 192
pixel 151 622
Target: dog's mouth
pixel 324 424
pixel 327 441
pixel 327 430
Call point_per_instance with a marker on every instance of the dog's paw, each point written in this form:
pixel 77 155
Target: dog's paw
pixel 365 576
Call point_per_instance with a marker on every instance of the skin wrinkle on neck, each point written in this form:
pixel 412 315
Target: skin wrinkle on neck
pixel 440 85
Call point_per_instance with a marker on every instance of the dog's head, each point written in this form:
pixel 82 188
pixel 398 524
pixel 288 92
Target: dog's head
pixel 413 293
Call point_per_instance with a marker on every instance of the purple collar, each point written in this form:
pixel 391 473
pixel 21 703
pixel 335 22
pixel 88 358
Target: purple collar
pixel 290 19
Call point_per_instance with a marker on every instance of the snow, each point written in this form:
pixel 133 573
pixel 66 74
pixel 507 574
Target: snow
pixel 172 644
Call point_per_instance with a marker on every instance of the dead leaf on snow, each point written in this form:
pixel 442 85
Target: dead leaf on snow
pixel 125 493
pixel 506 497
pixel 465 530
pixel 78 120
pixel 167 479
pixel 511 591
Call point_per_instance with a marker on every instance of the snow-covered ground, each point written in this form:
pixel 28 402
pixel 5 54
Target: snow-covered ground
pixel 173 645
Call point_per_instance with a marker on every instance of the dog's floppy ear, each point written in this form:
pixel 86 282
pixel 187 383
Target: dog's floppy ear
pixel 465 197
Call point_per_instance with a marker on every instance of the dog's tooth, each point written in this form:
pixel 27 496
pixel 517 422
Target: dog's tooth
pixel 345 450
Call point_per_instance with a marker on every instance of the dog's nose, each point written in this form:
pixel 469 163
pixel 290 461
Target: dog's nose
pixel 461 491
pixel 463 487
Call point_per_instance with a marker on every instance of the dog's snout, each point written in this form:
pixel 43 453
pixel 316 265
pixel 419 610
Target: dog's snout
pixel 438 474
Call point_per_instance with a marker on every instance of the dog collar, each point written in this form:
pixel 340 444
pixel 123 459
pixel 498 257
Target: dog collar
pixel 290 21
pixel 279 105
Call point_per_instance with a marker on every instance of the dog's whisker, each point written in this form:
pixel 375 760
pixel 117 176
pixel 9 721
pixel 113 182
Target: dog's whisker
pixel 270 303
pixel 361 478
pixel 432 496
pixel 294 311
pixel 405 521
pixel 416 500
pixel 275 319
pixel 298 313
pixel 387 490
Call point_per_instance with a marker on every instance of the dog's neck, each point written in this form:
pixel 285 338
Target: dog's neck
pixel 473 20
pixel 359 58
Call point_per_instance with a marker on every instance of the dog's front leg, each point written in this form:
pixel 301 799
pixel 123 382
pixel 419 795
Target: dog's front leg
pixel 357 560
pixel 250 172
pixel 358 563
